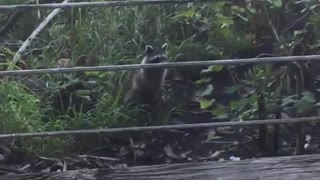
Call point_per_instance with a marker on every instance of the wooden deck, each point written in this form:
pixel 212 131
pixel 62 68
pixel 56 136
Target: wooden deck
pixel 278 168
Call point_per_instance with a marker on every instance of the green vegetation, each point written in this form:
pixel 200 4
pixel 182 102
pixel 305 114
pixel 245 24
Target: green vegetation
pixel 194 32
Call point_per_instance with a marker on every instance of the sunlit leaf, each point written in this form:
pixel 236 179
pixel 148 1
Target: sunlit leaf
pixel 189 13
pixel 214 68
pixel 220 110
pixel 276 3
pixel 218 4
pixel 308 96
pixel 203 80
pixel 207 91
pixel 223 21
pixel 204 104
pixel 231 90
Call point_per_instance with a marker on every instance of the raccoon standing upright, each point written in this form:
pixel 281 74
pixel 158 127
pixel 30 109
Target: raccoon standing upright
pixel 146 84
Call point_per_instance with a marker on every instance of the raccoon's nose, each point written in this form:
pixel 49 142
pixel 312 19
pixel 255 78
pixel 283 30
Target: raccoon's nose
pixel 162 59
pixel 156 60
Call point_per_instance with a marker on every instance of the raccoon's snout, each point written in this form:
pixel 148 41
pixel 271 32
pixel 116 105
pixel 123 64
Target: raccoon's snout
pixel 157 60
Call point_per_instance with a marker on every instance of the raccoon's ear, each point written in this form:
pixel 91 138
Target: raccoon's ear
pixel 149 49
pixel 165 47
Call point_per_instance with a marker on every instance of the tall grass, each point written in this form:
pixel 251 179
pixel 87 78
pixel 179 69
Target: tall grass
pixel 113 36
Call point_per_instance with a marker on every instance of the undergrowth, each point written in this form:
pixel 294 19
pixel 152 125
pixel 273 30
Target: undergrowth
pixel 118 35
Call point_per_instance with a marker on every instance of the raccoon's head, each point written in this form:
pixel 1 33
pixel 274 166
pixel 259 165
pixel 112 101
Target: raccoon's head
pixel 155 55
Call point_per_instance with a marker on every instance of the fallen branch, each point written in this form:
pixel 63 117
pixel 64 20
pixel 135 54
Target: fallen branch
pixel 165 65
pixel 161 128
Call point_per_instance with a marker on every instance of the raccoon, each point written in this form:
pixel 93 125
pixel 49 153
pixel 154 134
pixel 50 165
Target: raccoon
pixel 146 84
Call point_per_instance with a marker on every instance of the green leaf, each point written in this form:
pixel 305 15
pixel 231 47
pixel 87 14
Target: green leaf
pixel 238 9
pixel 209 47
pixel 222 116
pixel 218 5
pixel 253 99
pixel 214 68
pixel 189 13
pixel 303 106
pixel 308 96
pixel 252 10
pixel 92 73
pixel 203 81
pixel 207 91
pixel 223 21
pixel 219 110
pixel 298 32
pixel 276 3
pixel 8 51
pixel 234 104
pixel 231 90
pixel 204 104
pixel 286 101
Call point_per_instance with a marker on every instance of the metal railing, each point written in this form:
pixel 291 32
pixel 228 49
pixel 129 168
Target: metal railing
pixel 164 65
pixel 97 4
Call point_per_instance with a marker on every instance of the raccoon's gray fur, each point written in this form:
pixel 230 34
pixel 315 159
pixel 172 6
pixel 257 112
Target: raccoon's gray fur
pixel 146 83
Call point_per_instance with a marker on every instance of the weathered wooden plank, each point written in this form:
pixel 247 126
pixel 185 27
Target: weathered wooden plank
pixel 284 168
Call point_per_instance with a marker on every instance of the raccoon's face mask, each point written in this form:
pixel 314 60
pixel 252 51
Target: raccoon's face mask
pixel 157 59
pixel 156 55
